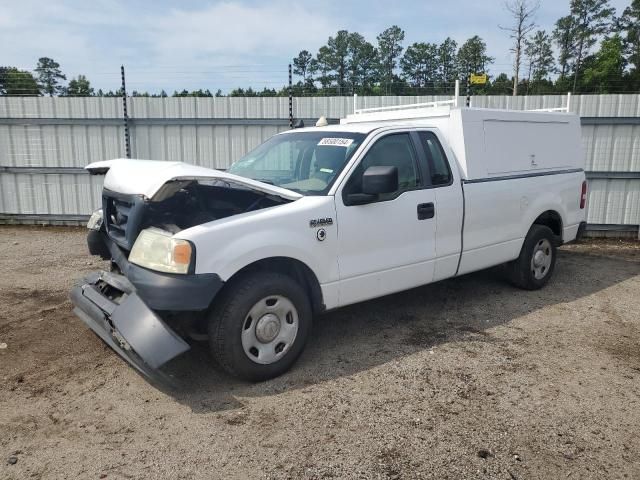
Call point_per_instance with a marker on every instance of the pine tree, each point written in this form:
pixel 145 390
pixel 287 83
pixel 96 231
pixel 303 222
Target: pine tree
pixel 389 50
pixel 539 54
pixel 565 35
pixel 362 63
pixel 447 61
pixel 629 25
pixel 592 18
pixel 303 65
pixel 49 76
pixel 420 64
pixel 472 56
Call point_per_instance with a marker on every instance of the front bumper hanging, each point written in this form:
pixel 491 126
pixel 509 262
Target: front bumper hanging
pixel 109 305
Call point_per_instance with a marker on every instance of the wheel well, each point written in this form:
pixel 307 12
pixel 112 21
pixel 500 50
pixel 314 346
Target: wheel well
pixel 551 219
pixel 295 269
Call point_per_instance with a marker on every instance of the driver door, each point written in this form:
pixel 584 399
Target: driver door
pixel 387 245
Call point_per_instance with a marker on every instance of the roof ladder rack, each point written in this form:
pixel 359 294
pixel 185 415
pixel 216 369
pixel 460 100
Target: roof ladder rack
pixel 454 102
pixel 566 109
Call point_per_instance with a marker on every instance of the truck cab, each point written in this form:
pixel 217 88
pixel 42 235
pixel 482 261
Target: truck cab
pixel 318 218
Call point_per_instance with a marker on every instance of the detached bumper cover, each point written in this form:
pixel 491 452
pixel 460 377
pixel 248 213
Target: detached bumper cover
pixel 125 323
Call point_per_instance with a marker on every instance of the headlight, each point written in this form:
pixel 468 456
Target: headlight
pixel 95 221
pixel 158 250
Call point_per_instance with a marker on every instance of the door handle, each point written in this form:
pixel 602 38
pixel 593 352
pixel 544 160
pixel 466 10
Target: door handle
pixel 426 211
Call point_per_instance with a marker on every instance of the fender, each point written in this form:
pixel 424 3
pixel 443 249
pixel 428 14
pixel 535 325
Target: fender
pixel 227 246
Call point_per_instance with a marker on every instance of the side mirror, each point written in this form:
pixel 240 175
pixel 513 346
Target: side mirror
pixel 375 180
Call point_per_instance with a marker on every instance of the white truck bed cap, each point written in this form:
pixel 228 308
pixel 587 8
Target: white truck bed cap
pixel 490 143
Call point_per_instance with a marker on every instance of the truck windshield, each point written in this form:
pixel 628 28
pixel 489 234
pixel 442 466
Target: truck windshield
pixel 305 162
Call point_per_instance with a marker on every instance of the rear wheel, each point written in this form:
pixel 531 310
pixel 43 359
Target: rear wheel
pixel 259 325
pixel 534 267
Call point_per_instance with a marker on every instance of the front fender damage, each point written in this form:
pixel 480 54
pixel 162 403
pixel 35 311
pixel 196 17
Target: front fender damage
pixel 109 305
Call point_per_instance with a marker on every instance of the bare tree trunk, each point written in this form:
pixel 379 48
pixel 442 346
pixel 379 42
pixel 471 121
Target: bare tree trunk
pixel 529 77
pixel 522 12
pixel 517 69
pixel 577 67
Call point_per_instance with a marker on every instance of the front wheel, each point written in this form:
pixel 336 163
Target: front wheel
pixel 259 325
pixel 534 267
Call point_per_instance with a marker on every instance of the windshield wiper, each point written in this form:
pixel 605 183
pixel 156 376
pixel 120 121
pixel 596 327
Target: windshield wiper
pixel 264 181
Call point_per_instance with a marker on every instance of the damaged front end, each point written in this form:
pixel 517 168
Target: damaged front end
pixel 109 305
pixel 127 307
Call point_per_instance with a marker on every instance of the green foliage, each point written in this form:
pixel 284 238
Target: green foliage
pixel 346 64
pixel 335 57
pixel 389 51
pixel 79 87
pixel 539 53
pixel 448 61
pixel 250 92
pixel 502 85
pixel 591 19
pixel 17 82
pixel 304 65
pixel 629 26
pixel 606 68
pixel 565 35
pixel 162 94
pixel 195 93
pixel 472 56
pixel 110 93
pixel 49 76
pixel 362 64
pixel 420 64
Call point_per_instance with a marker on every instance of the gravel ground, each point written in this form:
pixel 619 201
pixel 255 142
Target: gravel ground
pixel 467 378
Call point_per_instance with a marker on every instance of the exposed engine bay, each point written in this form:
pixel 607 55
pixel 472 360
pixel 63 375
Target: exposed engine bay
pixel 179 205
pixel 201 202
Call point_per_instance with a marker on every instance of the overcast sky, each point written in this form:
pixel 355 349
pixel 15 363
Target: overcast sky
pixel 223 44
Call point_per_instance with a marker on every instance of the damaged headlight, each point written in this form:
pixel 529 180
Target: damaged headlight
pixel 158 250
pixel 95 221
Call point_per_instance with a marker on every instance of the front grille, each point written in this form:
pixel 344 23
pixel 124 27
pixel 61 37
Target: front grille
pixel 122 217
pixel 118 218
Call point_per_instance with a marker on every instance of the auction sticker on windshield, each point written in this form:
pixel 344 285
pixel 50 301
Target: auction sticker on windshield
pixel 336 142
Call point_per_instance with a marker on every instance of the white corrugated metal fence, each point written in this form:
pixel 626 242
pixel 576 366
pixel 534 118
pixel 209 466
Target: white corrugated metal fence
pixel 45 142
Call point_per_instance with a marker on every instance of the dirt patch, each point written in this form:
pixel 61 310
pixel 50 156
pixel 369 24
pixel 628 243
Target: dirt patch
pixel 466 378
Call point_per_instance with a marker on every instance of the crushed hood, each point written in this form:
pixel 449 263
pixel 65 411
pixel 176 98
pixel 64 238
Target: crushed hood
pixel 147 177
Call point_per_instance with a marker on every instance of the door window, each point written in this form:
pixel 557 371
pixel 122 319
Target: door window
pixel 394 150
pixel 438 164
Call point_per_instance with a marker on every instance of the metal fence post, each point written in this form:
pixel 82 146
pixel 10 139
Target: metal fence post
pixel 290 98
pixel 127 144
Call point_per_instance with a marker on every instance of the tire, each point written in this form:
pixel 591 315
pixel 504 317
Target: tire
pixel 534 267
pixel 259 325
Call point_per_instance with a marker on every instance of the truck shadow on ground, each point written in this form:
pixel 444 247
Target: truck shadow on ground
pixel 363 336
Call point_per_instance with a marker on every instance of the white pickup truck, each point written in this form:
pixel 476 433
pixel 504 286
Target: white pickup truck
pixel 318 218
